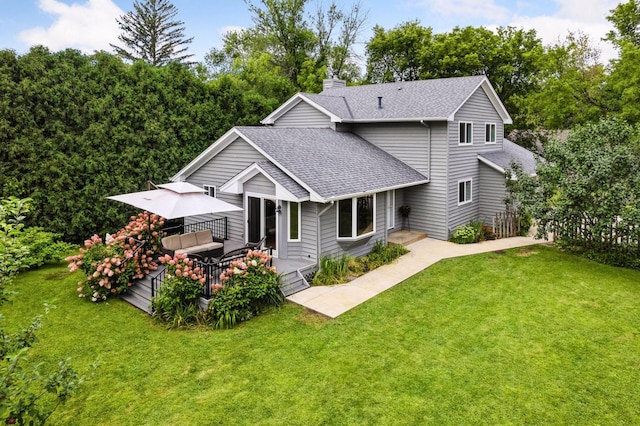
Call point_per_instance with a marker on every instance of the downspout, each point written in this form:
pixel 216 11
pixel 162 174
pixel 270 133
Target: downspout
pixel 318 240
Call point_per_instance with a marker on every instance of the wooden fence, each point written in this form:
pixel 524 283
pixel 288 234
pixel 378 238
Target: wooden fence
pixel 506 224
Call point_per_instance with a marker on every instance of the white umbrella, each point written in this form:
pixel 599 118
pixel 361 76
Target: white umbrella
pixel 174 200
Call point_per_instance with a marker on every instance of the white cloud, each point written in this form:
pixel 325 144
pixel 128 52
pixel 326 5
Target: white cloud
pixel 486 9
pixel 85 26
pixel 586 16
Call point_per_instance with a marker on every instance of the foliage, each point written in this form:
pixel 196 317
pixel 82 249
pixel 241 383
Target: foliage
pixel 303 49
pixel 626 21
pixel 475 232
pixel 248 287
pixel 76 128
pixel 465 234
pixel 509 57
pixel 382 254
pixel 333 270
pixel 570 86
pixel 587 191
pixel 152 34
pixel 110 267
pixel 337 270
pixel 177 302
pixel 25 396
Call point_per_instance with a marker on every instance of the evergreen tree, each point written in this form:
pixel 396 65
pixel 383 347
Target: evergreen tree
pixel 152 34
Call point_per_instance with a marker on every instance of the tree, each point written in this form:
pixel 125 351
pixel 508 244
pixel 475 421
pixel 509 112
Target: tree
pixel 152 34
pixel 398 54
pixel 570 86
pixel 587 191
pixel 509 57
pixel 304 48
pixel 626 21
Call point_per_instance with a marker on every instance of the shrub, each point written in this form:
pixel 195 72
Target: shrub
pixel 177 301
pixel 333 270
pixel 248 286
pixel 525 222
pixel 381 254
pixel 111 267
pixel 338 270
pixel 464 235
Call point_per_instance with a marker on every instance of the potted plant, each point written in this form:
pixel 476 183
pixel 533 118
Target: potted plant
pixel 404 210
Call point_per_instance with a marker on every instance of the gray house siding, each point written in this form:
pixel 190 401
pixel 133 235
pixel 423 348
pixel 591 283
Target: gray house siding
pixel 462 161
pixel 330 246
pixel 306 248
pixel 492 192
pixel 427 202
pixel 260 185
pixel 226 164
pixel 408 142
pixel 303 115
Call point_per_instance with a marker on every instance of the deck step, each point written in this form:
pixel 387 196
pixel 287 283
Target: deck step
pixel 405 238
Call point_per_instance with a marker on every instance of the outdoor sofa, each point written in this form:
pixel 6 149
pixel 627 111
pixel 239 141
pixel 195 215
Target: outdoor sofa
pixel 192 243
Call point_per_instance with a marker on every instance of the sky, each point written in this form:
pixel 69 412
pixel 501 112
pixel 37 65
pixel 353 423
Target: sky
pixel 90 25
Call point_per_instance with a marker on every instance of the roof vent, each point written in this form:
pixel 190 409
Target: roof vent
pixel 379 102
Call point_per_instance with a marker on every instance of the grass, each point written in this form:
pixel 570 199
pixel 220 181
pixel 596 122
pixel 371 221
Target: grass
pixel 528 336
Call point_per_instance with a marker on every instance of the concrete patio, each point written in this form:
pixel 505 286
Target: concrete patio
pixel 333 301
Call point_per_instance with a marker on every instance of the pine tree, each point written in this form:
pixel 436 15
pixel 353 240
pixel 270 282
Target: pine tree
pixel 150 33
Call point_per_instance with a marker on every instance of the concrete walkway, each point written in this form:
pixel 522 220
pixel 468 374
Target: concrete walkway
pixel 336 300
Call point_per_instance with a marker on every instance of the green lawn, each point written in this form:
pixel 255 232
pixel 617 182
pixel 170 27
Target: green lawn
pixel 532 336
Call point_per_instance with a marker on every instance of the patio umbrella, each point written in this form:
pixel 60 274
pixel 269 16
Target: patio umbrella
pixel 174 200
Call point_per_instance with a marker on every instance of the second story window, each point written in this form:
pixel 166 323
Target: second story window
pixel 465 133
pixel 490 133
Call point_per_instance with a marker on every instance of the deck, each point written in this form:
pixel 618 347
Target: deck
pixel 294 274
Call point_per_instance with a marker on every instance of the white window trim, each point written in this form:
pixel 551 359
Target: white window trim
pixel 495 133
pixel 466 138
pixel 208 188
pixel 391 218
pixel 458 191
pixel 292 240
pixel 354 220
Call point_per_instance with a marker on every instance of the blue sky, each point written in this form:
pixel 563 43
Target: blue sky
pixel 90 25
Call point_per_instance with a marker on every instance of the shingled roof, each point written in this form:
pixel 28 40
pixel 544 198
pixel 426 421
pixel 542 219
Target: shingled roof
pixel 433 100
pixel 511 152
pixel 332 165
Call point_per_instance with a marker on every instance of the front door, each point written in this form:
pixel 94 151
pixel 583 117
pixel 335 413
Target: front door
pixel 262 221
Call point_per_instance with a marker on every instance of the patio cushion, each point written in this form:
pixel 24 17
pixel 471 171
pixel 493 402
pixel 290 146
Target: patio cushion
pixel 200 248
pixel 204 237
pixel 188 240
pixel 172 242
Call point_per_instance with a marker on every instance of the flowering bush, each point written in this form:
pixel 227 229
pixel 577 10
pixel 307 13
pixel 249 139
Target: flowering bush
pixel 247 287
pixel 110 267
pixel 177 302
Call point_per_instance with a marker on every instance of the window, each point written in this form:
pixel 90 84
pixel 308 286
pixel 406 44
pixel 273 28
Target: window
pixel 466 133
pixel 464 192
pixel 356 216
pixel 294 221
pixel 490 133
pixel 210 190
pixel 391 209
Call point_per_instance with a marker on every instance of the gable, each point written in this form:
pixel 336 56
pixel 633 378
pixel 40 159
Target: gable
pixel 485 100
pixel 303 115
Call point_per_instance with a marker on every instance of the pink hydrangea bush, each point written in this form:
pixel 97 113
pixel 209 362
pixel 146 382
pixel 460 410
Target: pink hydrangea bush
pixel 177 301
pixel 247 287
pixel 110 267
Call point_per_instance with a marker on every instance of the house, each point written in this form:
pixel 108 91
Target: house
pixel 327 173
